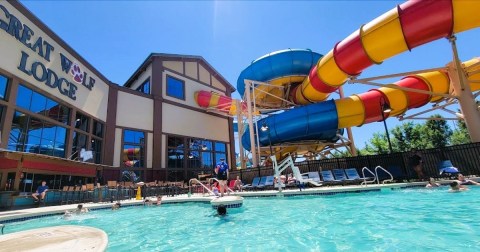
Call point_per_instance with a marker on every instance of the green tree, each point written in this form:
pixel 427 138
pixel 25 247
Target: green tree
pixel 408 136
pixel 460 135
pixel 438 132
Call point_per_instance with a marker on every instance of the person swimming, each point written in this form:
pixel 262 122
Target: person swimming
pixel 221 210
pixel 457 187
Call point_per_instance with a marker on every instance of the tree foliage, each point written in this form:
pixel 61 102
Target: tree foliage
pixel 409 136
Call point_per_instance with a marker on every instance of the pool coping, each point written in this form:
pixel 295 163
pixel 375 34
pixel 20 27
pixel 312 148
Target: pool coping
pixel 33 213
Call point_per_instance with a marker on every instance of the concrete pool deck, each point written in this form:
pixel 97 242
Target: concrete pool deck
pixel 57 238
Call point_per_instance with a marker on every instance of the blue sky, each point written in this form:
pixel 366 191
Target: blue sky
pixel 117 36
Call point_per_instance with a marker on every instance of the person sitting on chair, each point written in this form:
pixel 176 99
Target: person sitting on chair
pixel 291 179
pixel 464 181
pixel 238 184
pixel 41 191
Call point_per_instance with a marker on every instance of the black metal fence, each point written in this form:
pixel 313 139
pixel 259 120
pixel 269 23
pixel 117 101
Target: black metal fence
pixel 465 157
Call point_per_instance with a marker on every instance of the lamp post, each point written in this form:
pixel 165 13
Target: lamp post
pixel 385 108
pixel 267 129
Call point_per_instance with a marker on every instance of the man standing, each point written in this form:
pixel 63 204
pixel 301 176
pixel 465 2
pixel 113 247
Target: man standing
pixel 41 190
pixel 416 163
pixel 222 174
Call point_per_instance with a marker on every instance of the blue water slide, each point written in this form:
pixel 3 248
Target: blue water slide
pixel 277 64
pixel 317 122
pixel 313 122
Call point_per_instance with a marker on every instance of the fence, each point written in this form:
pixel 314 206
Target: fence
pixel 466 157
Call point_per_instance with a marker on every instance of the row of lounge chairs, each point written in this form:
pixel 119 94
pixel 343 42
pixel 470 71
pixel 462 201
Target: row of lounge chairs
pixel 326 177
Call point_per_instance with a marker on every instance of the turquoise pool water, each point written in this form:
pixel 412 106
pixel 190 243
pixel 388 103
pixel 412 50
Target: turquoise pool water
pixel 398 220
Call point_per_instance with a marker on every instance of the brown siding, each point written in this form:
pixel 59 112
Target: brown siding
pixel 109 141
pixel 156 89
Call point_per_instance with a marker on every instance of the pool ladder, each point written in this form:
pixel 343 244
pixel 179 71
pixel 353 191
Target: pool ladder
pixel 206 187
pixel 365 182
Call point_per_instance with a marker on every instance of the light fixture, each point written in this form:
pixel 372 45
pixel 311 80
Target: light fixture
pixel 190 155
pixel 264 127
pixel 386 108
pixel 204 147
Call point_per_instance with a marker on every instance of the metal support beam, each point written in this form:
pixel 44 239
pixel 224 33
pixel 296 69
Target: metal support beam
pixel 459 82
pixel 253 148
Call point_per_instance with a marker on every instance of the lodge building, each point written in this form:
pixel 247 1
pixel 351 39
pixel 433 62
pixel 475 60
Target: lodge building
pixel 64 122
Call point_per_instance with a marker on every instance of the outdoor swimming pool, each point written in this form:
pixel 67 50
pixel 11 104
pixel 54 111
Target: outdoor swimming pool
pixel 392 220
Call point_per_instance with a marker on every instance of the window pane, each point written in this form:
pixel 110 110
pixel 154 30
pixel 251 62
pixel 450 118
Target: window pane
pixel 64 115
pixel 24 96
pixel 81 122
pixel 60 138
pixel 98 129
pixel 175 88
pixel 35 127
pixel 131 136
pixel 38 103
pixel 218 156
pixel 3 87
pixel 220 147
pixel 175 141
pixel 51 109
pixel 175 158
pixel 97 150
pixel 133 155
pixel 79 143
pixel 207 160
pixel 49 131
pixel 145 87
pixel 32 144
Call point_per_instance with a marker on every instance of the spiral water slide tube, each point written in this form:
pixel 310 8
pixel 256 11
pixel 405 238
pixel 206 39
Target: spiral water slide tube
pixel 215 101
pixel 405 27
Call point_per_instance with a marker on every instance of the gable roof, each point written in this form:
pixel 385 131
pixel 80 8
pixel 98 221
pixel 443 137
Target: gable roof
pixel 150 58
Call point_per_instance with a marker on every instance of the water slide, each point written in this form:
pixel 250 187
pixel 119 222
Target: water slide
pixel 403 28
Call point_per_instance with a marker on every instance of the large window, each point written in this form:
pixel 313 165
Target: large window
pixel 41 105
pixel 175 88
pixel 30 134
pixel 40 125
pixel 3 87
pixel 145 87
pixel 194 153
pixel 133 148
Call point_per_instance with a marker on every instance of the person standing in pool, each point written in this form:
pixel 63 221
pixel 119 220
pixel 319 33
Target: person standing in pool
pixel 222 175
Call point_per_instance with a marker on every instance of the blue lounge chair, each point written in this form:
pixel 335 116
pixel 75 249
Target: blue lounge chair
pixel 262 182
pixel 254 184
pixel 340 175
pixel 302 179
pixel 315 176
pixel 353 175
pixel 328 177
pixel 268 182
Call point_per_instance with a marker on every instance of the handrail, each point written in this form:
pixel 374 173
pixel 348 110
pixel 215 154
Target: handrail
pixel 2 226
pixel 215 179
pixel 365 182
pixel 198 181
pixel 387 180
